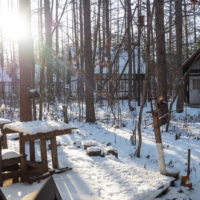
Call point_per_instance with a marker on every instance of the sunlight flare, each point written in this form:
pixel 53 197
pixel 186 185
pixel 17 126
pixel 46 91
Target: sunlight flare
pixel 12 25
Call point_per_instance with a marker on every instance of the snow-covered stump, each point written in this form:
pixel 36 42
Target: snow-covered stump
pixel 89 143
pixel 112 152
pixel 94 151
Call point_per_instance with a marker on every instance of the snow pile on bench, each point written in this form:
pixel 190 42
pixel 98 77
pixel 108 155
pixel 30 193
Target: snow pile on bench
pixel 7 154
pixel 4 121
pixel 35 127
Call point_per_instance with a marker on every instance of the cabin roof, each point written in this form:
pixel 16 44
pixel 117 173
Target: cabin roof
pixel 123 57
pixel 189 61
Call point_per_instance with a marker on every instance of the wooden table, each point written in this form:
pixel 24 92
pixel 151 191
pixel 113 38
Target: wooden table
pixel 39 130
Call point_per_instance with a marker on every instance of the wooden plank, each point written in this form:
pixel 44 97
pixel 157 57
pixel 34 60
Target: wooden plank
pixel 10 161
pixel 54 152
pixel 43 155
pixel 34 164
pixel 33 179
pixel 47 135
pixel 29 137
pixel 21 144
pixel 1 179
pixel 23 166
pixel 9 131
pixel 11 174
pixel 32 150
pixel 4 137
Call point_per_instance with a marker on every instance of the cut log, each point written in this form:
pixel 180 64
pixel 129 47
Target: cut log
pixel 185 182
pixel 89 143
pixel 112 152
pixel 94 151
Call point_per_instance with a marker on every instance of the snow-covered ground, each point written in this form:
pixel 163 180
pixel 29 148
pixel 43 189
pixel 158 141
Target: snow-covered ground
pixel 128 177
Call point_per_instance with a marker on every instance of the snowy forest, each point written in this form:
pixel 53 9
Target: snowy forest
pixel 99 99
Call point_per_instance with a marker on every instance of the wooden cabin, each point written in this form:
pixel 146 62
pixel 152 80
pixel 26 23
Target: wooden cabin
pixel 101 75
pixel 120 74
pixel 192 84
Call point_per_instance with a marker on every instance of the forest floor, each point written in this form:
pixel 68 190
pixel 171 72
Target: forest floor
pixel 125 177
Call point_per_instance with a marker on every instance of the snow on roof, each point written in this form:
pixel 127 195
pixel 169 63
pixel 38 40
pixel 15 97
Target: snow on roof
pixel 4 121
pixel 123 57
pixel 37 72
pixel 4 77
pixel 34 127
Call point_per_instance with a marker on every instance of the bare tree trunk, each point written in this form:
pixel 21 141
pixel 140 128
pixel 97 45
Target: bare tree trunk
pixel 42 60
pixel 129 43
pixel 96 31
pixel 160 49
pixel 48 49
pixel 186 29
pixel 108 48
pixel 2 92
pixel 81 53
pixel 139 51
pixel 170 50
pixel 194 24
pixel 58 86
pixel 161 56
pixel 25 62
pixel 81 37
pixel 89 68
pixel 147 79
pixel 179 32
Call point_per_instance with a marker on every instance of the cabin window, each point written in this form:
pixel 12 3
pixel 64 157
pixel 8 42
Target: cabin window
pixel 196 84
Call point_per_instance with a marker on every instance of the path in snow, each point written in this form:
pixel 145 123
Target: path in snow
pixel 97 178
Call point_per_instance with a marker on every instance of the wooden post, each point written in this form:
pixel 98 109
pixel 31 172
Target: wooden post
pixel 1 178
pixel 23 168
pixel 54 153
pixel 159 146
pixel 65 114
pixel 21 144
pixel 32 150
pixel 5 144
pixel 43 155
pixel 188 164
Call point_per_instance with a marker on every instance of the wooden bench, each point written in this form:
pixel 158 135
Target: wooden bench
pixel 43 132
pixel 12 165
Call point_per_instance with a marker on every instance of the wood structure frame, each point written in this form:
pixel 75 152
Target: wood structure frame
pixel 43 137
pixel 121 81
